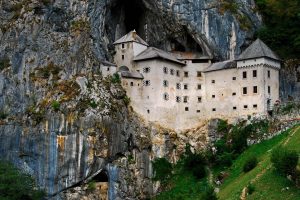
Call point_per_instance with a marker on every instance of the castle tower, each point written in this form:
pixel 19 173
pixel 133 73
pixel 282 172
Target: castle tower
pixel 127 47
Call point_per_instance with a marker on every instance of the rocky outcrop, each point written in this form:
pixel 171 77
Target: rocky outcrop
pixel 61 121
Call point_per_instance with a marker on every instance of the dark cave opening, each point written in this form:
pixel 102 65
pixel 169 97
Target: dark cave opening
pixel 101 177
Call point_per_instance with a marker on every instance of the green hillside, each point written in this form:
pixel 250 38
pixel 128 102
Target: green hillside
pixel 268 184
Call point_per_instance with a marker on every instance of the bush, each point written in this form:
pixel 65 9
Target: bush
pixel 162 169
pixel 3 115
pixel 127 100
pixel 225 159
pixel 284 160
pixel 15 185
pixel 4 63
pixel 250 188
pixel 209 194
pixel 195 163
pixel 222 126
pixel 91 185
pixel 55 105
pixel 93 104
pixel 250 164
pixel 115 78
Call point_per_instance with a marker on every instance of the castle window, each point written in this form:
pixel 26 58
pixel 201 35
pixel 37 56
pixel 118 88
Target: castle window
pixel 146 69
pixel 269 90
pixel 244 90
pixel 178 99
pixel 234 108
pixel 214 109
pixel 165 70
pixel 233 78
pixel 255 89
pixel 213 81
pixel 244 74
pixel 172 71
pixel 185 99
pixel 131 83
pixel 245 106
pixel 233 94
pixel 185 86
pixel 186 108
pixel 123 46
pixel 199 86
pixel 186 74
pixel 123 57
pixel 148 111
pixel 165 83
pixel 269 74
pixel 198 111
pixel 255 106
pixel 146 83
pixel 108 69
pixel 178 86
pixel 254 73
pixel 199 74
pixel 166 96
pixel 199 99
pixel 213 96
pixel 177 73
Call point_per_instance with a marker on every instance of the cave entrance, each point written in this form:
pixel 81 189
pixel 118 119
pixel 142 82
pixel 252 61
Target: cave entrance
pixel 131 15
pixel 101 185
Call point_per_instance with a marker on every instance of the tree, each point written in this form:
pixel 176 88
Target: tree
pixel 15 185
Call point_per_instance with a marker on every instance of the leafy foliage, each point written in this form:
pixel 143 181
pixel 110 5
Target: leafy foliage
pixel 195 163
pixel 162 169
pixel 55 105
pixel 209 194
pixel 116 78
pixel 15 185
pixel 282 21
pixel 284 160
pixel 4 63
pixel 250 164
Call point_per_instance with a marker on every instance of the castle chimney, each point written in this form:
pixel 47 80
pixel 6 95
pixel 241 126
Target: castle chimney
pixel 134 34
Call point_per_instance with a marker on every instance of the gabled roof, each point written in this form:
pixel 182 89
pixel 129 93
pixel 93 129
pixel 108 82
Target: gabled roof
pixel 256 50
pixel 228 64
pixel 133 75
pixel 152 52
pixel 131 37
pixel 107 63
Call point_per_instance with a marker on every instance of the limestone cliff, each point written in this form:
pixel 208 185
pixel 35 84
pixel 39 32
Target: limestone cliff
pixel 61 121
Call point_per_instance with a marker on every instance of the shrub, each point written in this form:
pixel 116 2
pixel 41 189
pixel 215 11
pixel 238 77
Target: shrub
pixel 115 78
pixel 127 100
pixel 15 185
pixel 209 194
pixel 4 63
pixel 195 163
pixel 55 105
pixel 222 126
pixel 162 169
pixel 91 185
pixel 284 160
pixel 225 159
pixel 3 115
pixel 250 188
pixel 93 104
pixel 250 164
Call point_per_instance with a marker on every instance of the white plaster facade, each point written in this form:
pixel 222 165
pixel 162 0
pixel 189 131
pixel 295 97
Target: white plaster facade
pixel 178 94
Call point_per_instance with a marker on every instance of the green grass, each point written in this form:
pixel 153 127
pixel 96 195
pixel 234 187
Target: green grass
pixel 269 184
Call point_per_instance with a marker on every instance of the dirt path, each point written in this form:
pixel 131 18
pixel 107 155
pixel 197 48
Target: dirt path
pixel 244 191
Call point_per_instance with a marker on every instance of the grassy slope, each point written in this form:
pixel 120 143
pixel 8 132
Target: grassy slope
pixel 268 184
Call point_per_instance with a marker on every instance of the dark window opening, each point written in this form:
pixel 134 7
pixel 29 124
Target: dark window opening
pixel 198 111
pixel 186 108
pixel 165 83
pixel 199 99
pixel 172 71
pixel 255 106
pixel 234 78
pixel 233 94
pixel 185 99
pixel 214 109
pixel 255 89
pixel 244 90
pixel 213 81
pixel 213 96
pixel 199 74
pixel 269 90
pixel 186 74
pixel 166 96
pixel 131 83
pixel 269 74
pixel 244 74
pixel 177 73
pixel 185 86
pixel 234 108
pixel 165 70
pixel 178 99
pixel 199 86
pixel 148 111
pixel 178 86
pixel 254 73
pixel 245 106
pixel 123 57
pixel 123 46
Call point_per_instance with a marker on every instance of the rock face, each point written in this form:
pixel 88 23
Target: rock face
pixel 61 121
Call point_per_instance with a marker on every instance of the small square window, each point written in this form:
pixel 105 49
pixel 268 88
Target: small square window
pixel 233 94
pixel 234 108
pixel 185 99
pixel 199 86
pixel 213 96
pixel 131 83
pixel 199 99
pixel 185 86
pixel 234 78
pixel 178 86
pixel 186 74
pixel 165 83
pixel 123 57
pixel 178 99
pixel 214 109
pixel 255 106
pixel 186 108
pixel 213 81
pixel 244 90
pixel 245 106
pixel 199 74
pixel 198 111
pixel 244 74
